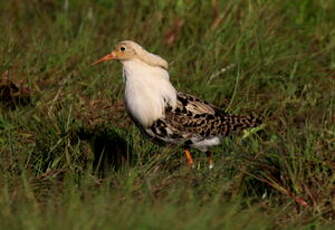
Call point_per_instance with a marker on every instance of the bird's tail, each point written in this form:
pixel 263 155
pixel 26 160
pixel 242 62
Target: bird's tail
pixel 241 122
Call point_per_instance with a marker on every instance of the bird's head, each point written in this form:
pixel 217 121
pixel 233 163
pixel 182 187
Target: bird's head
pixel 127 50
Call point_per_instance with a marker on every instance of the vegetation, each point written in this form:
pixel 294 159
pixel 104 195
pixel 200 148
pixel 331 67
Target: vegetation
pixel 70 158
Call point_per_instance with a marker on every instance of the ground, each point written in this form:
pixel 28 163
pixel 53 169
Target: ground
pixel 70 158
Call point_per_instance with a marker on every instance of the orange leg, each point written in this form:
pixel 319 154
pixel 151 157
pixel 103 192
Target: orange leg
pixel 188 156
pixel 210 160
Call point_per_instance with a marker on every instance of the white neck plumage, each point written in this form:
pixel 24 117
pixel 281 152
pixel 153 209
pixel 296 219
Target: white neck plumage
pixel 147 91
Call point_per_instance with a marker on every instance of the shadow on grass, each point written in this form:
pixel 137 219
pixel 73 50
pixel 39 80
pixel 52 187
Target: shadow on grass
pixel 111 151
pixel 13 95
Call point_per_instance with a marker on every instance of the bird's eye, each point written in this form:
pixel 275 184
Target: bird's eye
pixel 122 48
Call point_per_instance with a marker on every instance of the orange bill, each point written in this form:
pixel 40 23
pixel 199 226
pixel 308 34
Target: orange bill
pixel 110 56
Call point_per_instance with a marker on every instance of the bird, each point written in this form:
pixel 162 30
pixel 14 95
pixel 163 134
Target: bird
pixel 165 114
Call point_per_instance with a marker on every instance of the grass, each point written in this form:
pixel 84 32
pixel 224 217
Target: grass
pixel 70 158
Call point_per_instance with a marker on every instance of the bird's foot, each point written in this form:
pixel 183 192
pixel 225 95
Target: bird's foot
pixel 210 160
pixel 189 159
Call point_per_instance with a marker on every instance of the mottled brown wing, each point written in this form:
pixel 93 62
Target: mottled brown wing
pixel 196 118
pixel 190 104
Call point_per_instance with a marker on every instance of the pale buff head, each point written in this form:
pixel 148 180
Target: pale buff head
pixel 127 50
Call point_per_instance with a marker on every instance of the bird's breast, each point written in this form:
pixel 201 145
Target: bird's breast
pixel 147 90
pixel 142 104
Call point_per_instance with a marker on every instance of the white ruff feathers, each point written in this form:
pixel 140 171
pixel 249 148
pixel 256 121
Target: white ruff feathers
pixel 147 91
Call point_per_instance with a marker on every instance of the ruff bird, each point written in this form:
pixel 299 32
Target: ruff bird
pixel 165 114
